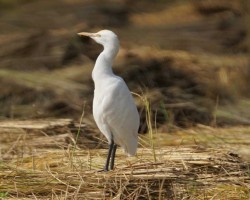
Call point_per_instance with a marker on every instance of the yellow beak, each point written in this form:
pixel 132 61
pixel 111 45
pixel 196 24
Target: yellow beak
pixel 89 34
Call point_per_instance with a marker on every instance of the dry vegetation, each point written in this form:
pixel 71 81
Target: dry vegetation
pixel 192 44
pixel 189 59
pixel 36 164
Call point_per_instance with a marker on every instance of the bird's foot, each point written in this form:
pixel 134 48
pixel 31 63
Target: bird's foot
pixel 103 170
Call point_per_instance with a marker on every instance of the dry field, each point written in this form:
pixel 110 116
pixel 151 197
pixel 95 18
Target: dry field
pixel 188 60
pixel 42 160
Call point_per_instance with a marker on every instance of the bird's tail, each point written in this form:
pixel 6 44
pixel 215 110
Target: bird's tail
pixel 131 148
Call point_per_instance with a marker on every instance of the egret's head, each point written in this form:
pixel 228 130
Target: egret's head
pixel 104 37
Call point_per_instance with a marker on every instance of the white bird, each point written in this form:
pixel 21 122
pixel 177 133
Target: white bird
pixel 114 110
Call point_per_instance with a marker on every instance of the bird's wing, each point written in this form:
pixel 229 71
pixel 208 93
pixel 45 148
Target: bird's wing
pixel 121 116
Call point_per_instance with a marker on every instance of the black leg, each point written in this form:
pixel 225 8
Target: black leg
pixel 113 157
pixel 111 146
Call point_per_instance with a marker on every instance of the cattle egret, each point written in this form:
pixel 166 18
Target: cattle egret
pixel 114 110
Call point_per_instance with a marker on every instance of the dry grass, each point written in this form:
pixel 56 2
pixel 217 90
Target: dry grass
pixel 179 13
pixel 161 42
pixel 40 169
pixel 179 172
pixel 42 160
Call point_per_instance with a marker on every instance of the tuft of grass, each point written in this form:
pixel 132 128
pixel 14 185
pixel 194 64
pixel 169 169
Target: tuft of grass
pixel 149 124
pixel 79 127
pixel 3 194
pixel 146 103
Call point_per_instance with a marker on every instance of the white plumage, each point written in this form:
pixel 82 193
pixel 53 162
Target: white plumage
pixel 114 109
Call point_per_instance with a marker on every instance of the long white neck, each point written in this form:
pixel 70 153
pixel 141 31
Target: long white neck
pixel 104 62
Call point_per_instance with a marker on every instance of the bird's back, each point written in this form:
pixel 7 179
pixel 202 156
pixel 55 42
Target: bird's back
pixel 116 114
